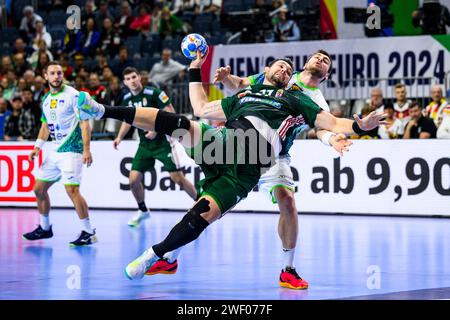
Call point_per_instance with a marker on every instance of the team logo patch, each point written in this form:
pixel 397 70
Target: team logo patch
pixel 53 103
pixel 243 94
pixel 295 87
pixel 279 93
pixel 61 102
pixel 163 97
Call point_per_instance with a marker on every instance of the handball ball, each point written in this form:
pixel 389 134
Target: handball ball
pixel 191 43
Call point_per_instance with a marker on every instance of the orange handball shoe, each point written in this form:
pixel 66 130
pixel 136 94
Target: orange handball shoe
pixel 162 266
pixel 289 278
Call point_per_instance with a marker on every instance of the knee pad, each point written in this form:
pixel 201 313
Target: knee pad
pixel 194 218
pixel 167 122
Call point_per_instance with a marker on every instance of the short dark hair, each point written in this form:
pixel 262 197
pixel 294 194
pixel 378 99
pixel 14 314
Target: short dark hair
pixel 129 70
pixel 52 63
pixel 414 104
pixel 287 60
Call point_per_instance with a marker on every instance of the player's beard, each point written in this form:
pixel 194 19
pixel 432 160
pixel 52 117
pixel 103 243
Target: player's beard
pixel 277 81
pixel 57 87
pixel 316 72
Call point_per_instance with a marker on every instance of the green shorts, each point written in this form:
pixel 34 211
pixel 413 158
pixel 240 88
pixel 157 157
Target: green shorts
pixel 144 159
pixel 227 184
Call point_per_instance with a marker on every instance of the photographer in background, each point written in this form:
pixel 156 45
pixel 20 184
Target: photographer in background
pixel 432 17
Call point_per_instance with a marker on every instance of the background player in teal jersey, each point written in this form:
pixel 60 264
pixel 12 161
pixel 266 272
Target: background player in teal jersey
pixel 278 182
pixel 152 146
pixel 262 109
pixel 70 149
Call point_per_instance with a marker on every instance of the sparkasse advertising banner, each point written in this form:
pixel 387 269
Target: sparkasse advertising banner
pixel 376 177
pixel 396 58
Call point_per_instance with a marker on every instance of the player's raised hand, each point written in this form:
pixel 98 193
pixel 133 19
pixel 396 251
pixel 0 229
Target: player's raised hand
pixel 221 74
pixel 340 143
pixel 198 62
pixel 371 121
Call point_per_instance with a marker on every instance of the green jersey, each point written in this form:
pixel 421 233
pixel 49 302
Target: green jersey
pixel 148 97
pixel 281 109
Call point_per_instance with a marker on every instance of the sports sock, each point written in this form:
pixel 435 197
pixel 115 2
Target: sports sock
pixel 142 206
pixel 288 257
pixel 45 222
pixel 86 225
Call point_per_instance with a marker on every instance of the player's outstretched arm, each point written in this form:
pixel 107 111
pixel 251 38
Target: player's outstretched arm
pixel 338 142
pixel 230 81
pixel 197 95
pixel 327 121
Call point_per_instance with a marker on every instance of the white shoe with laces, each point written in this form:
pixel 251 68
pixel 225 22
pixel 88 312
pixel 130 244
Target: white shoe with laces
pixel 138 218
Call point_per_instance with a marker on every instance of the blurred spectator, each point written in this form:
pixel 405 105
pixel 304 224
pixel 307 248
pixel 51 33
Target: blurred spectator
pixel 262 6
pixel 42 34
pixel 142 22
pixel 20 64
pixel 182 6
pixel 21 86
pixel 9 84
pixel 4 113
pixel 34 108
pixel 394 129
pixel 125 20
pixel 69 72
pixel 113 97
pixel 432 17
pixel 38 88
pixel 87 12
pixel 286 29
pixel 170 25
pixel 78 63
pixel 419 126
pixel 103 13
pixel 43 60
pixel 95 89
pixel 213 6
pixel 28 24
pixel 87 41
pixel 107 74
pixel 376 100
pixel 102 61
pixel 165 71
pixel 69 42
pixel 436 107
pixel 6 65
pixel 21 47
pixel 20 123
pixel 110 39
pixel 119 65
pixel 401 104
pixel 29 77
pixel 156 19
pixel 145 79
pixel 80 83
pixel 39 47
pixel 443 131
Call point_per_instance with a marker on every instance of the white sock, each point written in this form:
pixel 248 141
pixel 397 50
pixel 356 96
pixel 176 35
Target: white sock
pixel 149 254
pixel 86 225
pixel 173 255
pixel 45 222
pixel 288 257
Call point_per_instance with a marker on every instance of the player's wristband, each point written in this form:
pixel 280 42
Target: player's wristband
pixel 357 129
pixel 195 75
pixel 326 138
pixel 39 143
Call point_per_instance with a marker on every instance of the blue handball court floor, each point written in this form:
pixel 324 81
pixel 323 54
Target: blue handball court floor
pixel 237 258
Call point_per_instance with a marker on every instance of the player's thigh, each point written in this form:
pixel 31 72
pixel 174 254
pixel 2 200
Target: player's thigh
pixel 277 182
pixel 49 172
pixel 143 160
pixel 208 208
pixel 71 166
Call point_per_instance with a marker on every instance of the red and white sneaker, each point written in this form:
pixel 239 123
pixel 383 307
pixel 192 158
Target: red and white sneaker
pixel 289 278
pixel 163 266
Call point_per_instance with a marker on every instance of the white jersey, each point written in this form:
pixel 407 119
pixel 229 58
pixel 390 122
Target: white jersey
pixel 314 93
pixel 58 111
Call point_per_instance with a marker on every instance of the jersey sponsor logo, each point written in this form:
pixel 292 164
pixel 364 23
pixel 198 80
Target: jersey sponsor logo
pixel 53 103
pixel 163 97
pixel 272 103
pixel 295 87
